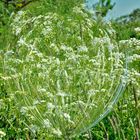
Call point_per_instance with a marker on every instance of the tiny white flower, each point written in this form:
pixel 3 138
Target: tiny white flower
pixel 39 66
pixel 103 90
pixel 91 92
pixel 50 106
pixel 62 94
pixel 57 132
pixel 82 49
pixel 66 116
pixel 18 31
pixel 23 110
pixel 36 102
pixel 47 123
pixel 42 90
pixel 9 53
pixel 57 61
pixel 137 30
pixel 110 47
pixel 34 128
pixel 20 13
pixel 80 103
pixel 44 60
pixel 2 134
pixel 46 31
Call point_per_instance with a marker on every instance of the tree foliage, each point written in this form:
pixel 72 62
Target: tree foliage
pixel 102 7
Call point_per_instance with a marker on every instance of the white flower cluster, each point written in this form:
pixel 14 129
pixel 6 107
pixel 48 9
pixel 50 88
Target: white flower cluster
pixel 137 30
pixel 133 42
pixel 132 50
pixel 2 134
pixel 66 71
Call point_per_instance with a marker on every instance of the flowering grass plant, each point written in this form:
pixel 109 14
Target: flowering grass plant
pixel 64 73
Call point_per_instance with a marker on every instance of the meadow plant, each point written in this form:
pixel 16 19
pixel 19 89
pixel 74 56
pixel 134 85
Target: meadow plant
pixel 65 72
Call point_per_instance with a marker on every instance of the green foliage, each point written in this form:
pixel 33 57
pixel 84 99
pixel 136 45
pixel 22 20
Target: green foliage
pixel 16 5
pixel 55 40
pixel 64 62
pixel 131 22
pixel 11 121
pixel 124 121
pixel 102 7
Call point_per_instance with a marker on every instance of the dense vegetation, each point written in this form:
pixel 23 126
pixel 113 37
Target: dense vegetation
pixel 62 70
